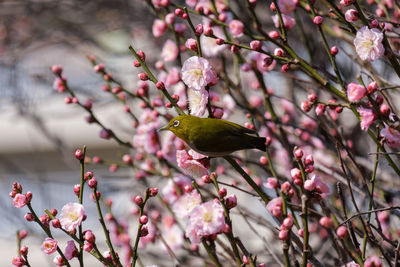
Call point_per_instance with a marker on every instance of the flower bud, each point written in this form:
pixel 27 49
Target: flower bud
pixel 143 219
pixel 342 232
pixel 306 106
pixel 334 50
pixel 56 69
pixel 199 29
pixel 88 247
pixel 139 200
pixel 77 189
pixel 283 235
pixel 143 76
pixel 153 191
pixel 24 251
pixel 222 192
pixel 326 222
pixel 89 236
pixel 288 222
pixel 56 223
pixel 318 20
pixel 372 87
pixel 255 45
pixel 231 201
pixel 79 154
pixel 92 183
pixel 298 153
pixel 263 160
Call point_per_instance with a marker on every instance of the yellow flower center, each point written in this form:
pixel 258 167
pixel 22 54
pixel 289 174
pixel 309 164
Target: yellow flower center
pixel 368 44
pixel 197 72
pixel 208 217
pixel 72 216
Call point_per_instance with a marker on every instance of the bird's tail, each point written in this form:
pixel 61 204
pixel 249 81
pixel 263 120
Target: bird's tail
pixel 257 142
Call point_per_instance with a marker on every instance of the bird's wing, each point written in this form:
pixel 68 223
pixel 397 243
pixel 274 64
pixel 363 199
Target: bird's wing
pixel 236 129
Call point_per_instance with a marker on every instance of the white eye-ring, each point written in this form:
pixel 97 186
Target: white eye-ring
pixel 176 123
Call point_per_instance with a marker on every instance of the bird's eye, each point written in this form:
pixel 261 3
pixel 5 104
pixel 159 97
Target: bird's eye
pixel 176 123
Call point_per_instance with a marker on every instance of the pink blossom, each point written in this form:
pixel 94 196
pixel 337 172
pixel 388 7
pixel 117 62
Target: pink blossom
pixel 70 251
pixel 150 237
pixel 168 149
pixel 351 15
pixel 198 100
pixel 49 245
pixel 197 72
pixel 186 203
pixel 169 191
pixel 173 236
pixel 169 51
pixel 368 43
pixel 309 185
pixel 236 27
pixel 58 261
pixel 18 261
pixel 189 165
pixel 373 261
pixel 274 206
pixel 173 77
pixel 71 216
pixel 196 155
pixel 392 136
pixel 288 21
pixel 264 62
pixel 19 200
pixel 159 27
pixel 355 91
pixel 205 219
pixel 272 183
pixel 286 6
pixel 367 117
pixel 320 186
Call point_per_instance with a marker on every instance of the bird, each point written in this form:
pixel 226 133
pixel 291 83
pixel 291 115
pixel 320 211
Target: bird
pixel 214 137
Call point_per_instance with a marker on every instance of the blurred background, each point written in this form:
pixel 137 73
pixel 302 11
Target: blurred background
pixel 39 133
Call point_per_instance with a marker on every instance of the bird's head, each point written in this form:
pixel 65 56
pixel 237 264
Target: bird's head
pixel 179 126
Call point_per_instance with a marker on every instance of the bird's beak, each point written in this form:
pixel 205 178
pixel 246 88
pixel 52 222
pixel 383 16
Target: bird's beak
pixel 164 128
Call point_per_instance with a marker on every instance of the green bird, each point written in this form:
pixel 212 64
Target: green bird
pixel 214 137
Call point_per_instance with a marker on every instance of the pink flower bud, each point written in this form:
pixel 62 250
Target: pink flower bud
pixel 56 223
pixel 170 18
pixel 279 52
pixel 105 133
pixel 88 247
pixel 300 232
pixel 374 23
pixel 160 85
pixel 372 87
pixel 153 191
pixel 352 15
pixel 29 217
pixel 236 27
pixel 326 222
pixel 138 200
pixel 255 45
pixel 320 109
pixel 89 236
pixel 334 50
pixel 309 185
pixel 384 109
pixel 283 234
pixel 306 105
pixel 79 154
pixel 77 189
pixel 143 76
pixel 199 29
pixel 56 69
pixel 191 44
pixel 208 31
pixel 92 183
pixel 99 68
pixel 18 261
pixel 231 201
pixel 263 160
pixel 220 41
pixel 318 20
pixel 295 173
pixel 288 222
pixel 222 192
pixel 298 153
pixel 346 2
pixel 24 251
pixel 144 231
pixel 143 219
pixel 272 183
pixel 355 92
pixel 285 68
pixel 136 63
pixel 312 97
pixel 342 232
